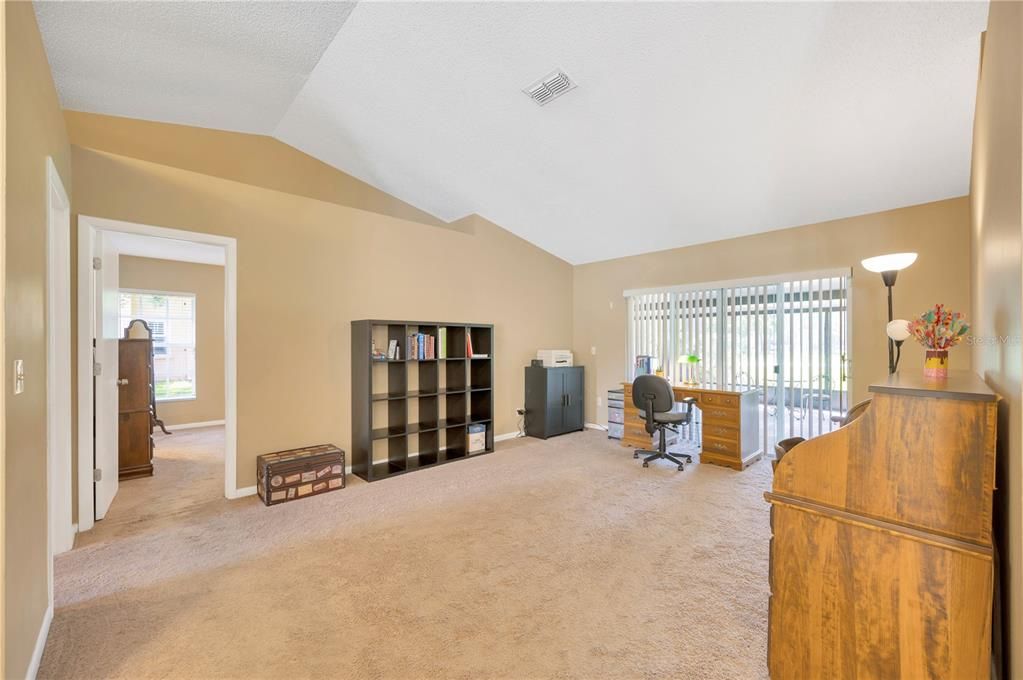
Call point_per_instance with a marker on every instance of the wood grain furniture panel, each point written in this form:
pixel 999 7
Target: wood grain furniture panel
pixel 882 555
pixel 134 399
pixel 730 424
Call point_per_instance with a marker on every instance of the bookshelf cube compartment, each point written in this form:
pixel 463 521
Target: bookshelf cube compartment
pixel 426 377
pixel 482 339
pixel 454 443
pixel 480 373
pixel 456 342
pixel 389 457
pixel 389 418
pixel 480 406
pixel 455 409
pixel 428 449
pixel 428 413
pixel 454 375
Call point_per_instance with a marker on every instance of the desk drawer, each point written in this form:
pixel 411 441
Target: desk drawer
pixel 729 400
pixel 717 445
pixel 721 430
pixel 723 416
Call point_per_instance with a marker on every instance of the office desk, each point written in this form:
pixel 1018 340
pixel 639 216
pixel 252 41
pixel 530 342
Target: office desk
pixel 730 434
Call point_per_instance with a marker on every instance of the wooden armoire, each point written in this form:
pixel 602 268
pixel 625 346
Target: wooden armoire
pixel 135 399
pixel 882 555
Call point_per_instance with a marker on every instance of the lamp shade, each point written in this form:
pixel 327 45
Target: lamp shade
pixel 889 263
pixel 898 330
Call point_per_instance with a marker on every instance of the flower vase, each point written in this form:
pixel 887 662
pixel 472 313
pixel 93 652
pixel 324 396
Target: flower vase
pixel 936 364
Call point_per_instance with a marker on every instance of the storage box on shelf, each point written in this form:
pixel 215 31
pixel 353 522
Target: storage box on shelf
pixel 410 413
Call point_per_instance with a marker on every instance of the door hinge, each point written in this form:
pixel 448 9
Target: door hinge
pixel 97 369
pixel 97 263
pixel 97 475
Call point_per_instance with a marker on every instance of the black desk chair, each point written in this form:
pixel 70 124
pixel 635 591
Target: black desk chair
pixel 653 397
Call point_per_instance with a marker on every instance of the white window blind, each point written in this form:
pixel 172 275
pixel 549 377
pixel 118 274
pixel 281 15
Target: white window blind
pixel 171 319
pixel 785 337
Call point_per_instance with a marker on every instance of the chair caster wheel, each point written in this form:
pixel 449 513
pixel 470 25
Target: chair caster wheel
pixel 681 468
pixel 646 464
pixel 635 455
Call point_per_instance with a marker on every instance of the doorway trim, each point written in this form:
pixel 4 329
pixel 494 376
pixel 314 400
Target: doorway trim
pixel 87 227
pixel 58 365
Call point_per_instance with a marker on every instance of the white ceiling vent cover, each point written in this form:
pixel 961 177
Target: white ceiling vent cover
pixel 550 87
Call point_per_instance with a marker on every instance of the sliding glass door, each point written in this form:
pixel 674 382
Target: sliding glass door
pixel 786 338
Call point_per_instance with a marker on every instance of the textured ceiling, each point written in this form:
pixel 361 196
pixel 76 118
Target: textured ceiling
pixel 227 65
pixel 691 122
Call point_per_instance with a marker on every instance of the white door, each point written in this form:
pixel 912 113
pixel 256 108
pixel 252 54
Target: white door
pixel 106 334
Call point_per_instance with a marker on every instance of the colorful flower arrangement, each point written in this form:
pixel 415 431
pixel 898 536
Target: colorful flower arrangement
pixel 939 329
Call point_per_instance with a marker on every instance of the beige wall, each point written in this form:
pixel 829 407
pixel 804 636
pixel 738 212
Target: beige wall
pixel 252 159
pixel 306 268
pixel 939 232
pixel 35 130
pixel 997 233
pixel 206 282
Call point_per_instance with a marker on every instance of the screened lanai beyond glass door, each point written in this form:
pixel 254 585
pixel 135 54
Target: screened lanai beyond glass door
pixel 785 338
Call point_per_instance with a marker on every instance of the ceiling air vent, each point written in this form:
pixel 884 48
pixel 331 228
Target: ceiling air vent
pixel 550 87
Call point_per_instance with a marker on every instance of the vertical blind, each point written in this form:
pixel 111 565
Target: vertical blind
pixel 785 337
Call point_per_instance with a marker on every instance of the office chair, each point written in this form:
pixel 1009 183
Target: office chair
pixel 652 395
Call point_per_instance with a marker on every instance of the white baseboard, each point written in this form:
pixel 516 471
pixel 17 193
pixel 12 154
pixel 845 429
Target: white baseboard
pixel 243 492
pixel 193 426
pixel 505 437
pixel 596 426
pixel 37 653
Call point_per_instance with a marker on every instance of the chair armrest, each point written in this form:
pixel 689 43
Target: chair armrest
pixel 689 402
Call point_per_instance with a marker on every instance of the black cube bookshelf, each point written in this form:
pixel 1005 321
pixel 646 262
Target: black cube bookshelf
pixel 410 413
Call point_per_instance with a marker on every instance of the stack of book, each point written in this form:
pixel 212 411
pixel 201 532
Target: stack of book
pixel 422 346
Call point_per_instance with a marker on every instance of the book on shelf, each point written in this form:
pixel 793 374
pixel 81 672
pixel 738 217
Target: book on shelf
pixel 468 343
pixel 442 342
pixel 420 346
pixel 479 356
pixel 392 350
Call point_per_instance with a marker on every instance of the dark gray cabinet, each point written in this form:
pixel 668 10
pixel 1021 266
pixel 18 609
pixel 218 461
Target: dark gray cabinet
pixel 554 400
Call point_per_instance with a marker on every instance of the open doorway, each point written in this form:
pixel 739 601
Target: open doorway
pixel 180 288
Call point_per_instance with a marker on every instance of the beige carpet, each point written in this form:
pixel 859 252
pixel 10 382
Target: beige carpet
pixel 556 559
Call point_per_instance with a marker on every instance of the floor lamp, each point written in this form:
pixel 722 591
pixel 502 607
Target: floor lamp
pixel 888 266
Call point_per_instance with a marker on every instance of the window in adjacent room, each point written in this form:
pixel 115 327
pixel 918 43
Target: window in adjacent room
pixel 171 319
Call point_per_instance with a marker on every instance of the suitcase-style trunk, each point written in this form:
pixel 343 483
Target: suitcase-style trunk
pixel 297 473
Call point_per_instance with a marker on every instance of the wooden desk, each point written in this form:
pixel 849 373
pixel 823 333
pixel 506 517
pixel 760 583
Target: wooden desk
pixel 882 550
pixel 730 424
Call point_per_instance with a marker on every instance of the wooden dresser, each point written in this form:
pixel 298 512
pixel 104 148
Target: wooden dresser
pixel 135 403
pixel 881 556
pixel 730 426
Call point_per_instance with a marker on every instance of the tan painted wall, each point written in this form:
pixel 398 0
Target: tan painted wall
pixel 997 239
pixel 253 159
pixel 3 360
pixel 206 282
pixel 306 268
pixel 939 232
pixel 35 129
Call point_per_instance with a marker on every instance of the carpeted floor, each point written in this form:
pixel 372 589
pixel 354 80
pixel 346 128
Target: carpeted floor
pixel 556 559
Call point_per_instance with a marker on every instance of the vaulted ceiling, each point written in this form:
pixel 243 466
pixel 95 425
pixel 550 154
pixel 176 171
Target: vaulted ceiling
pixel 690 122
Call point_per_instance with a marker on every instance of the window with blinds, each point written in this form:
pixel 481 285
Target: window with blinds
pixel 786 337
pixel 171 319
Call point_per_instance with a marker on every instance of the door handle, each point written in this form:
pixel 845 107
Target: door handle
pixel 122 381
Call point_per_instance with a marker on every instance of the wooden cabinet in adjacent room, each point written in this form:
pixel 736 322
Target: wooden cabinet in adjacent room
pixel 134 402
